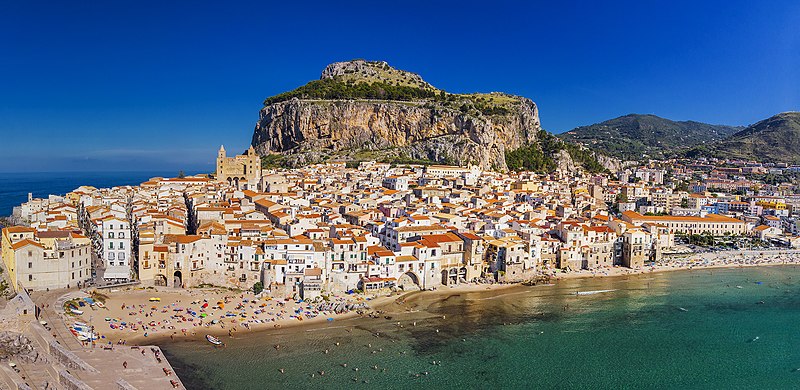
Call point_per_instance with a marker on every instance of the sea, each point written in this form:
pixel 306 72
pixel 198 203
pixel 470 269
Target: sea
pixel 733 328
pixel 14 187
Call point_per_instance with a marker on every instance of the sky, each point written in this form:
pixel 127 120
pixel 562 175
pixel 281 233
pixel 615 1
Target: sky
pixel 132 86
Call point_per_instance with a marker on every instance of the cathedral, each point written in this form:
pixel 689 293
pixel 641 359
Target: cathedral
pixel 242 171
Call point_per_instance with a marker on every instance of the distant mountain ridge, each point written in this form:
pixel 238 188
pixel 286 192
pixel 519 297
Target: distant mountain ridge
pixel 775 139
pixel 637 136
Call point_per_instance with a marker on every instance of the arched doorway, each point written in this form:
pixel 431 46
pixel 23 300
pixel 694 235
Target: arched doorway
pixel 444 277
pixel 177 280
pixel 453 276
pixel 408 281
pixel 462 274
pixel 160 280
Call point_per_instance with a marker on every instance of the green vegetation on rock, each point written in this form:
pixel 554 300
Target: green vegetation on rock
pixel 272 161
pixel 539 157
pixel 336 89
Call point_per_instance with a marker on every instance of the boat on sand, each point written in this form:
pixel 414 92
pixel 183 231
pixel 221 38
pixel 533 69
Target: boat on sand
pixel 213 340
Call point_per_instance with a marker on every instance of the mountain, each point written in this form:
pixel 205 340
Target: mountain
pixel 637 136
pixel 775 139
pixel 367 110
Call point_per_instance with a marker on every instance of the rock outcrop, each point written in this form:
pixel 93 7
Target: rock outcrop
pixel 475 129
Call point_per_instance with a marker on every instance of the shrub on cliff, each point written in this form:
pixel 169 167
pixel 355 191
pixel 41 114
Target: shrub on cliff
pixel 336 89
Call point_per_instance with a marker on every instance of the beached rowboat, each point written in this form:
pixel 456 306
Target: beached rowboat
pixel 213 340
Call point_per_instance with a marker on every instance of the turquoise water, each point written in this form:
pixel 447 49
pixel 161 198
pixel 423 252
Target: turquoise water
pixel 687 329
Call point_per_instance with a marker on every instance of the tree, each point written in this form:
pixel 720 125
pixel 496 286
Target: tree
pixel 258 287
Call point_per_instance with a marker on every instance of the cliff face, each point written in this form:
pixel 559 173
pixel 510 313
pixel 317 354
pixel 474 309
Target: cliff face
pixel 451 129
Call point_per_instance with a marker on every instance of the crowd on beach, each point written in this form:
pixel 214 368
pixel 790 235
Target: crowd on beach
pixel 175 313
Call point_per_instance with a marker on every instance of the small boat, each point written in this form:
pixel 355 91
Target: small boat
pixel 682 309
pixel 100 305
pixel 76 311
pixel 155 299
pixel 213 340
pixel 592 292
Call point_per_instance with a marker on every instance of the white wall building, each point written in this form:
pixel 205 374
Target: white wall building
pixel 116 234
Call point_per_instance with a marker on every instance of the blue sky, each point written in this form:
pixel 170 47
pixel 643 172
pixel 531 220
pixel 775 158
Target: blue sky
pixel 97 85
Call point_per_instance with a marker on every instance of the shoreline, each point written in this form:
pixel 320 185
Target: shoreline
pixel 379 303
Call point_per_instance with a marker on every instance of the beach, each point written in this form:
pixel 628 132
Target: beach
pixel 131 316
pixel 135 315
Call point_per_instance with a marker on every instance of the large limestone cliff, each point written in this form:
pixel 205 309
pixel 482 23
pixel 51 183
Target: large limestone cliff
pixel 445 128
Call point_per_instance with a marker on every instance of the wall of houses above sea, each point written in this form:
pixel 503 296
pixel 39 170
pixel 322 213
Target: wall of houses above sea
pixel 327 228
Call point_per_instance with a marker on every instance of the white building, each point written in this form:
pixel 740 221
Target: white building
pixel 116 234
pixel 399 183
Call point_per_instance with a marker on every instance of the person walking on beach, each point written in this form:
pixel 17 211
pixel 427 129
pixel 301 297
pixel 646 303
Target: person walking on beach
pixel 125 364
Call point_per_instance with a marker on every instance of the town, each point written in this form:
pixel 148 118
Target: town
pixel 363 227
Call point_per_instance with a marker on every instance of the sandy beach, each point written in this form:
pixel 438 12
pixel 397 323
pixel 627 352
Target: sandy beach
pixel 131 317
pixel 721 259
pixel 146 315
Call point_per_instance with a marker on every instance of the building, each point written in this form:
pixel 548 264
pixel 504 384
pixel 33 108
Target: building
pixel 714 224
pixel 116 233
pixel 637 248
pixel 242 171
pixel 394 182
pixel 44 260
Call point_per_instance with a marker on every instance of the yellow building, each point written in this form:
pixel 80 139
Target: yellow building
pixel 13 239
pixel 48 259
pixel 242 171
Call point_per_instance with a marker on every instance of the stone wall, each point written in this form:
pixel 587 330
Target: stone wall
pixel 70 382
pixel 69 359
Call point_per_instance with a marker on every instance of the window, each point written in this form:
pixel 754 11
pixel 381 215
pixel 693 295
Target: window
pixel 121 234
pixel 111 255
pixel 111 235
pixel 110 245
pixel 121 256
pixel 30 278
pixel 30 265
pixel 121 245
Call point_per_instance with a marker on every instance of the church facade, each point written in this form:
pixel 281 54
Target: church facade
pixel 242 171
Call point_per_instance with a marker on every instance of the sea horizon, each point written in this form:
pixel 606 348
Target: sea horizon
pixel 15 186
